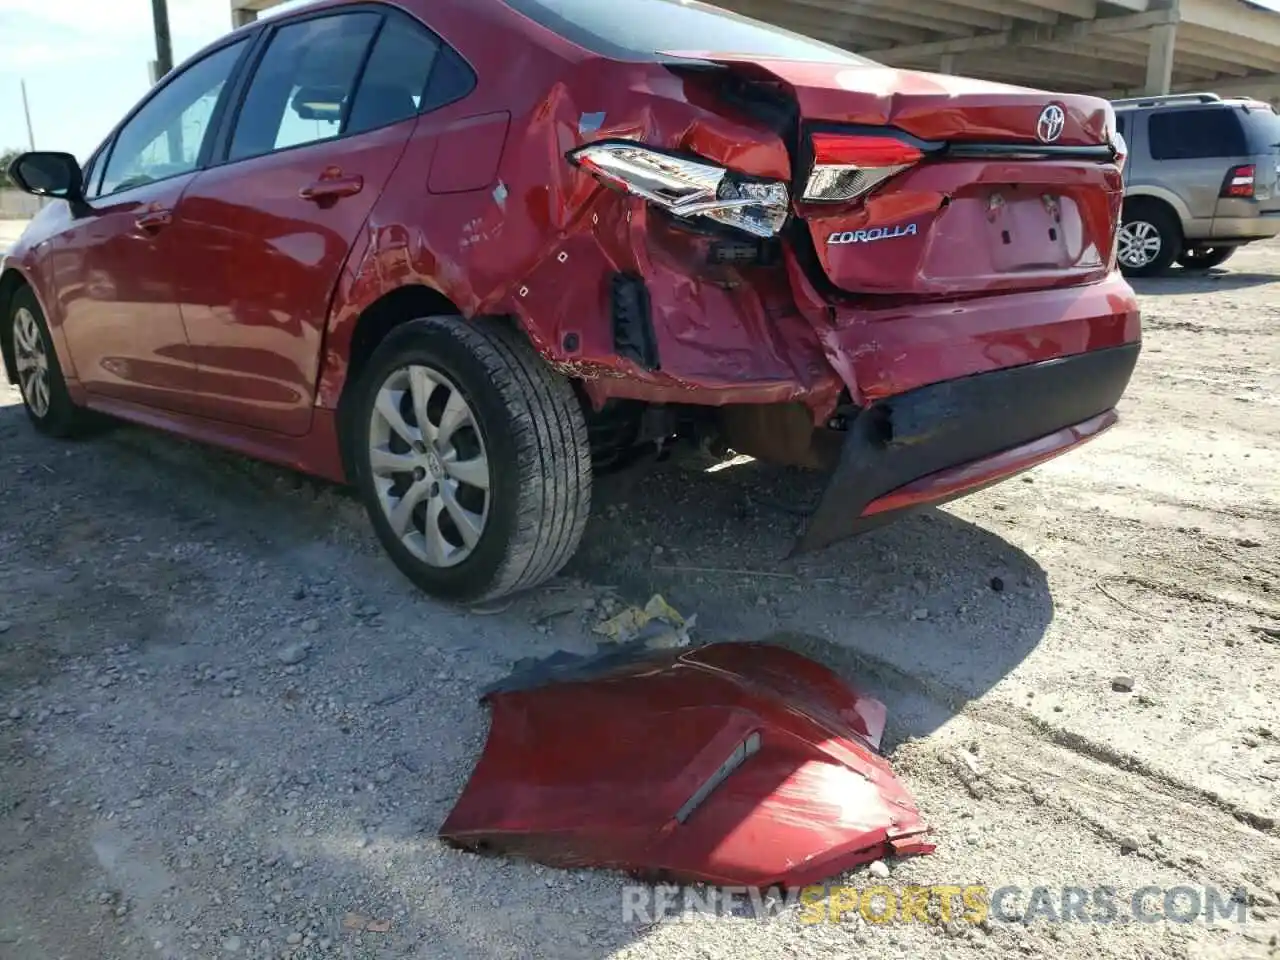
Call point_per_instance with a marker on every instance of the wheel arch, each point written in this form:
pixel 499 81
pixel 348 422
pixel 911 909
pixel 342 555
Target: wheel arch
pixel 1160 199
pixel 11 281
pixel 373 325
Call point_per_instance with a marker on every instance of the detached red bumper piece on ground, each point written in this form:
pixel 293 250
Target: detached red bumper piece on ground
pixel 735 764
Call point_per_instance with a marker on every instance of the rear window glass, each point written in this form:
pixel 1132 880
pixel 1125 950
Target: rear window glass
pixel 639 29
pixel 1261 130
pixel 1210 132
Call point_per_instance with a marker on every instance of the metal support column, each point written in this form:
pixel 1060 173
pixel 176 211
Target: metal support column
pixel 1163 40
pixel 164 44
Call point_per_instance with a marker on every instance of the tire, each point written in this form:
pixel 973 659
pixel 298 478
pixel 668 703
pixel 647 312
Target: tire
pixel 522 419
pixel 40 379
pixel 1205 258
pixel 1156 229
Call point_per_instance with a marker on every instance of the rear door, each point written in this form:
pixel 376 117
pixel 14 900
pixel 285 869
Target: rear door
pixel 324 120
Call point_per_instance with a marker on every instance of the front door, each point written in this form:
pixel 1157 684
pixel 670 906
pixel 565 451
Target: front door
pixel 266 233
pixel 122 322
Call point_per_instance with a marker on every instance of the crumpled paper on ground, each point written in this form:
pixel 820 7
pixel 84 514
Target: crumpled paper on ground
pixel 659 625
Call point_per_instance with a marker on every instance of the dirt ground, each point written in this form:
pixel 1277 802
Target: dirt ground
pixel 226 723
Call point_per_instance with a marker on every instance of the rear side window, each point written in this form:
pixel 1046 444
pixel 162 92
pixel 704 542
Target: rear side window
pixel 300 88
pixel 451 80
pixel 1261 130
pixel 1122 127
pixel 639 29
pixel 395 78
pixel 1196 134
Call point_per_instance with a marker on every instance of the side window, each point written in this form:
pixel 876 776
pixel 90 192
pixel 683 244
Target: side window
pixel 395 78
pixel 1122 127
pixel 1195 134
pixel 164 138
pixel 451 80
pixel 300 89
pixel 93 172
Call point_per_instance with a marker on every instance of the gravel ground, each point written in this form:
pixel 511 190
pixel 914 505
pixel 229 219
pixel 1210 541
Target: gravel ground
pixel 227 725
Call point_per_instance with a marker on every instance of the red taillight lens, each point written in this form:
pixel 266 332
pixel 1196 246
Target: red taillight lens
pixel 1239 182
pixel 847 166
pixel 1121 148
pixel 839 150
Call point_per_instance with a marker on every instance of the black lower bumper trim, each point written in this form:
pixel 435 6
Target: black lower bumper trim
pixel 896 441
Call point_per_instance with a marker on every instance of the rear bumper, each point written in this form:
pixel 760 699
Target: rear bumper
pixel 942 441
pixel 1258 226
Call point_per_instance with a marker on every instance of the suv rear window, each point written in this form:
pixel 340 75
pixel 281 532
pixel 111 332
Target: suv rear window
pixel 1212 132
pixel 1261 130
pixel 639 29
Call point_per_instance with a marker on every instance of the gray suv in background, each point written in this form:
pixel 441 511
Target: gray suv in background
pixel 1200 181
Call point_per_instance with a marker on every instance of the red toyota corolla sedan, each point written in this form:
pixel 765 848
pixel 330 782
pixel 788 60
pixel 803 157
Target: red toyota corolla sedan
pixel 462 253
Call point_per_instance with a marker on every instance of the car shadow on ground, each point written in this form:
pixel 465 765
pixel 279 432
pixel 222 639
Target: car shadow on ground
pixel 928 613
pixel 1199 281
pixel 932 610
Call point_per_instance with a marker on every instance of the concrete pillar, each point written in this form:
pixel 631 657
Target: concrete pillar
pixel 241 18
pixel 948 63
pixel 1163 40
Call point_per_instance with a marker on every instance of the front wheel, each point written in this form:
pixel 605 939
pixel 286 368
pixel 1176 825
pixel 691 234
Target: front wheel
pixel 40 379
pixel 1205 258
pixel 471 456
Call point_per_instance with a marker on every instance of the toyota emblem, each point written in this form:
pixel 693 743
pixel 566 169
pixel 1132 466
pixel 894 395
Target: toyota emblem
pixel 1049 126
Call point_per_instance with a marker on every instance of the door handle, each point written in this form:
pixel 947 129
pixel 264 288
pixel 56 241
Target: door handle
pixel 332 189
pixel 154 220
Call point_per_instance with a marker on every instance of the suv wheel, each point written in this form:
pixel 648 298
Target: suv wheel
pixel 1149 240
pixel 471 457
pixel 40 380
pixel 1205 258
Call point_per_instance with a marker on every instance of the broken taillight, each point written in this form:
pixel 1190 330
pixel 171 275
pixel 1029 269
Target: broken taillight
pixel 686 187
pixel 846 166
pixel 1239 181
pixel 1121 147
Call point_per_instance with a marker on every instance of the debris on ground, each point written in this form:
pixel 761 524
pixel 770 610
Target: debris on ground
pixel 970 773
pixel 658 624
pixel 742 764
pixel 359 923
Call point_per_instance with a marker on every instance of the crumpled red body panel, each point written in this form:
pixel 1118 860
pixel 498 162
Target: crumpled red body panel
pixel 604 767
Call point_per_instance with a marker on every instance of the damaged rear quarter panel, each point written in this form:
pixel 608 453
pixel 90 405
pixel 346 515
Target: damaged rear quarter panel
pixel 541 240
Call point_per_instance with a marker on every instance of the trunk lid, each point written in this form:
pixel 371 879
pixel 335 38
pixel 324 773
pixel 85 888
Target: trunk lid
pixel 929 106
pixel 977 186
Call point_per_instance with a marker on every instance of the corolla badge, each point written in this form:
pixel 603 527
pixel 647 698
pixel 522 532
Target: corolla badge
pixel 872 235
pixel 1049 126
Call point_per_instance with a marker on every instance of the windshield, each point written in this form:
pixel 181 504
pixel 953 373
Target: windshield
pixel 639 29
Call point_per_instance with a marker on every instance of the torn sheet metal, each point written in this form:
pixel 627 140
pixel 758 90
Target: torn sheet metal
pixel 738 764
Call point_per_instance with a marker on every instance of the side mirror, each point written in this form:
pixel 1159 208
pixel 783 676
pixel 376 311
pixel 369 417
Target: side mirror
pixel 48 175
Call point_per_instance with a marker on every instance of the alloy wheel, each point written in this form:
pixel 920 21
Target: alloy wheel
pixel 1140 244
pixel 32 362
pixel 429 465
